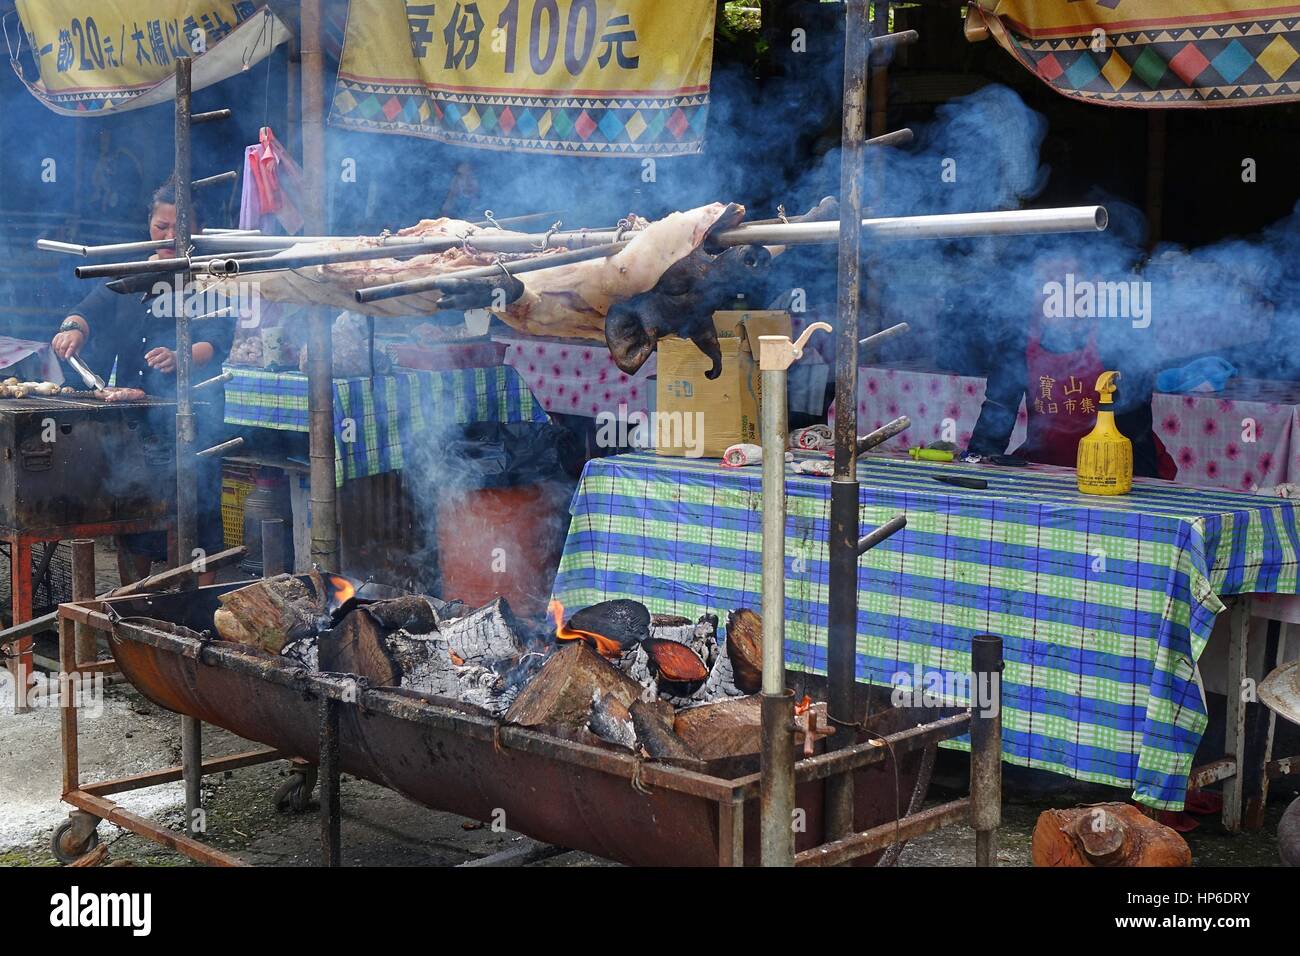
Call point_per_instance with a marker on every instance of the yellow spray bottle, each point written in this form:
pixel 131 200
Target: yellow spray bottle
pixel 1105 456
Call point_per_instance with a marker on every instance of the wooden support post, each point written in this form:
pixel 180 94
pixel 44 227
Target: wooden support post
pixel 1235 743
pixel 1259 804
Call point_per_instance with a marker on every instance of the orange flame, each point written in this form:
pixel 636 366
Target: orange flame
pixel 343 588
pixel 803 706
pixel 604 646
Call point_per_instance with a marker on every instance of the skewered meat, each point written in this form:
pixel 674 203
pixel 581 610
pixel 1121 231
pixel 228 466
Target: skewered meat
pixel 119 394
pixel 670 260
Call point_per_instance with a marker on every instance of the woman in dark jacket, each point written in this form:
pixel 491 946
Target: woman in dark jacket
pixel 137 333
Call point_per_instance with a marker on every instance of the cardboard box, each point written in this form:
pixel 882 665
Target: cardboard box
pixel 695 417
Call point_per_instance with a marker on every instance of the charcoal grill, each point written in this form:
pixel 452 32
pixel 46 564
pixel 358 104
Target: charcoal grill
pixel 109 461
pixel 110 469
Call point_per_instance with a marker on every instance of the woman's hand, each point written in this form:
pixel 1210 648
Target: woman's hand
pixel 66 344
pixel 161 360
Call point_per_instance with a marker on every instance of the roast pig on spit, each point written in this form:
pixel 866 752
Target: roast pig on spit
pixel 666 280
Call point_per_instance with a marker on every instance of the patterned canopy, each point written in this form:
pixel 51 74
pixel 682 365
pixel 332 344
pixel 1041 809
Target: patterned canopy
pixel 1152 53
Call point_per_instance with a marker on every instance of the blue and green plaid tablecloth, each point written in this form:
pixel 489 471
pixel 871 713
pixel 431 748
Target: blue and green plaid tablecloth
pixel 375 419
pixel 1104 604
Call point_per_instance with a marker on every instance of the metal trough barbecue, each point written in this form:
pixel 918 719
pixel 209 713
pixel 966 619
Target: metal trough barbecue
pixel 564 793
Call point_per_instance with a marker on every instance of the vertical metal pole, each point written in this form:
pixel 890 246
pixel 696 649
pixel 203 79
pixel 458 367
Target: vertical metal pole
pixel 187 521
pixel 986 746
pixel 320 346
pixel 83 589
pixel 777 761
pixel 186 489
pixel 330 830
pixel 842 613
pixel 272 547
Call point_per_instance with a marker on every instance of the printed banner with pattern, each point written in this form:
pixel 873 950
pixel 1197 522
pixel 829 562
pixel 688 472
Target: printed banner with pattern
pixel 594 77
pixel 93 56
pixel 1153 53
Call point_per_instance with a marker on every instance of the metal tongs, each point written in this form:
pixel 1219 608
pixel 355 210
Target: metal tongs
pixel 87 376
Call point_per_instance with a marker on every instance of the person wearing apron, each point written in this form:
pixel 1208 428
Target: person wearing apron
pixel 1055 373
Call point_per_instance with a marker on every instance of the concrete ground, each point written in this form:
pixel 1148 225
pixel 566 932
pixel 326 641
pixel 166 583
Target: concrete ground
pixel 122 733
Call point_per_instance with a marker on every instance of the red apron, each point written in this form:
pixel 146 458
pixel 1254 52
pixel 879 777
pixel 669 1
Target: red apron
pixel 1062 405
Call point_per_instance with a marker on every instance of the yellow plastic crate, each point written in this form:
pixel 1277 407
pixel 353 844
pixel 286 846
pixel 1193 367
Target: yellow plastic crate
pixel 236 484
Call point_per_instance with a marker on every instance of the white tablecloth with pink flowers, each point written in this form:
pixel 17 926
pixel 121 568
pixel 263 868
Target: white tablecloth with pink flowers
pixel 1245 437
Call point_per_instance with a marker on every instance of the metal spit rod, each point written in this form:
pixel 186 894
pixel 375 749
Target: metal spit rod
pixel 1018 222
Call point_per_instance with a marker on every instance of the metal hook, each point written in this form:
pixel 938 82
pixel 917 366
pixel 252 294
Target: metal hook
pixel 491 220
pixel 546 239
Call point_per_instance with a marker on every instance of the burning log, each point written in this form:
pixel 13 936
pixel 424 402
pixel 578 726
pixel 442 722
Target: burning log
pixel 1107 834
pixel 268 614
pixel 745 649
pixel 675 663
pixel 610 627
pixel 560 696
pixel 654 731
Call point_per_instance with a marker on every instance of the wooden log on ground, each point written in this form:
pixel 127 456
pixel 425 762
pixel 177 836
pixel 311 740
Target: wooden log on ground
pixel 560 694
pixel 1108 834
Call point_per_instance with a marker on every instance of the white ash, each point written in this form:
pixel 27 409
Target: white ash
pixel 432 664
pixel 303 652
pixel 487 635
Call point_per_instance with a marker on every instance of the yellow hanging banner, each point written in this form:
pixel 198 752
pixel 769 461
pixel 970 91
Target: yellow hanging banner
pixel 92 56
pixel 596 77
pixel 1151 53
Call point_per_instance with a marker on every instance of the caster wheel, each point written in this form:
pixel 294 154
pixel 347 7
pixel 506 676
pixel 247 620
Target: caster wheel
pixel 64 847
pixel 294 795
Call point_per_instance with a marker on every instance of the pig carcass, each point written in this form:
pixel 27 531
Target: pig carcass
pixel 667 280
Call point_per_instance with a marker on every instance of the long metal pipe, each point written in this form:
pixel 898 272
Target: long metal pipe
pixel 777 791
pixel 842 584
pixel 320 344
pixel 1017 222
